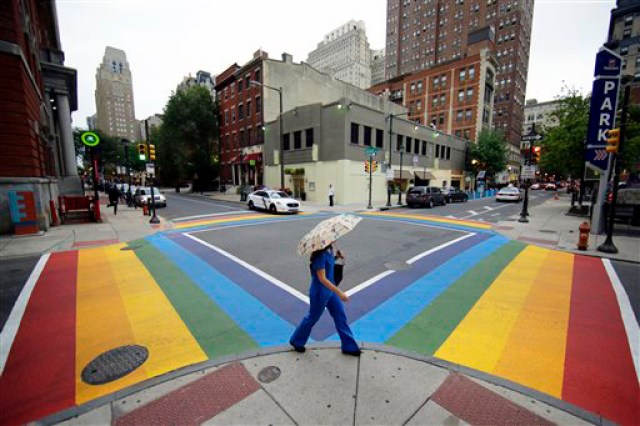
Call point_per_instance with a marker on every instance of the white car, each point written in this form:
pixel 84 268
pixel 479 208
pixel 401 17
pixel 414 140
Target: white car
pixel 273 201
pixel 509 194
pixel 143 196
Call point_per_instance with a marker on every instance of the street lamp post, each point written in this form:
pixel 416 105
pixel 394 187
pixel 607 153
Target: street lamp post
pixel 280 133
pixel 391 116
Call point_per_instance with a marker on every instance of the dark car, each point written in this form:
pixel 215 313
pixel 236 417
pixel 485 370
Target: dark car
pixel 425 196
pixel 454 194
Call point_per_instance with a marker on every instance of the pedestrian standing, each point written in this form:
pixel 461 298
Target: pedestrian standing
pixel 324 294
pixel 114 195
pixel 332 194
pixel 338 270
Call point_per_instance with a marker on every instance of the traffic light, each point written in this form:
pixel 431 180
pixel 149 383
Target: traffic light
pixel 142 151
pixel 152 153
pixel 536 154
pixel 374 164
pixel 613 140
pixel 366 166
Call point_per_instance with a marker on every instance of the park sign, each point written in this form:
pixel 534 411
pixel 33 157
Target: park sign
pixel 602 112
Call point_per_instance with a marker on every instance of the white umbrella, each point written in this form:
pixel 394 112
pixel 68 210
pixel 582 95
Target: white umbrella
pixel 327 232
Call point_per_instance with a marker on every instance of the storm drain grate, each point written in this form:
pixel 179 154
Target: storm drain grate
pixel 269 374
pixel 113 364
pixel 398 265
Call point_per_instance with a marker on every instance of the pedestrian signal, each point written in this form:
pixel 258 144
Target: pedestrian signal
pixel 142 151
pixel 613 140
pixel 152 152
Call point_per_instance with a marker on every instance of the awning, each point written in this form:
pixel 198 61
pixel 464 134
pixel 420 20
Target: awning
pixel 424 175
pixel 406 175
pixel 257 156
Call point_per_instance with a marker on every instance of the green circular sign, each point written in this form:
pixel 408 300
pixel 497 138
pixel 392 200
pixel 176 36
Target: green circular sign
pixel 90 139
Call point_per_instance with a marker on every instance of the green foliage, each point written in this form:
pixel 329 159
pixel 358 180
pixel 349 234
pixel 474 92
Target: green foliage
pixel 563 145
pixel 111 150
pixel 491 151
pixel 186 140
pixel 630 153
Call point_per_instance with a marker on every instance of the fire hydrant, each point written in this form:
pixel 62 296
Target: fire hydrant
pixel 145 210
pixel 583 240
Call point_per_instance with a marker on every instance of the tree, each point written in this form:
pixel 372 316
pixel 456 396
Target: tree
pixel 111 150
pixel 563 145
pixel 490 151
pixel 630 153
pixel 186 139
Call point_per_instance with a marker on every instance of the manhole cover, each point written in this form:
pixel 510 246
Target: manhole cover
pixel 397 265
pixel 269 374
pixel 134 247
pixel 113 364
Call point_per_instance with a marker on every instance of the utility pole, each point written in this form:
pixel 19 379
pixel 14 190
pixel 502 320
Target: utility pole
pixel 154 218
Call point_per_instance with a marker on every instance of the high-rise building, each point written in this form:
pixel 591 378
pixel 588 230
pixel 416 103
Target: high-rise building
pixel 115 113
pixel 202 78
pixel 377 66
pixel 345 53
pixel 624 38
pixel 428 33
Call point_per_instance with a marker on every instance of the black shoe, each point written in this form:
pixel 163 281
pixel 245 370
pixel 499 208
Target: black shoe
pixel 353 353
pixel 299 348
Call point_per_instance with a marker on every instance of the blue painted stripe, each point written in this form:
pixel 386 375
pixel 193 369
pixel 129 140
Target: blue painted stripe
pixel 264 326
pixel 289 307
pixel 389 317
pixel 360 304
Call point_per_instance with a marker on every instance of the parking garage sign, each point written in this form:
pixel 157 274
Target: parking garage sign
pixel 602 111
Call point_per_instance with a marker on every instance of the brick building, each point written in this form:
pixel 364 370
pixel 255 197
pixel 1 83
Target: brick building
pixel 38 96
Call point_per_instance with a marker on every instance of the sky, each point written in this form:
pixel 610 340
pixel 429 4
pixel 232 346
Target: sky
pixel 165 40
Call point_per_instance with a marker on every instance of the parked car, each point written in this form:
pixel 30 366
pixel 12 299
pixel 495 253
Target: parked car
pixel 143 196
pixel 550 187
pixel 425 196
pixel 535 186
pixel 273 201
pixel 509 193
pixel 454 194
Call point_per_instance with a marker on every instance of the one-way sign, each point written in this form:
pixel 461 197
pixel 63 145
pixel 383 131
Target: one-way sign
pixel 604 98
pixel 529 138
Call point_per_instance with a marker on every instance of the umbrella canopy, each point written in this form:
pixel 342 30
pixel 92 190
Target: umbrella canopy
pixel 327 232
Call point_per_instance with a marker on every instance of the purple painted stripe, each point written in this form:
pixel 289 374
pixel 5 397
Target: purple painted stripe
pixel 369 298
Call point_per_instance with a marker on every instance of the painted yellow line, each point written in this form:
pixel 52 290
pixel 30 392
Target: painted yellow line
pixel 534 353
pixel 440 219
pixel 151 319
pixel 479 339
pixel 101 322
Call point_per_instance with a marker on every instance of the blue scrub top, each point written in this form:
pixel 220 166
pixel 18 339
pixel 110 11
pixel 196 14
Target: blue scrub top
pixel 325 261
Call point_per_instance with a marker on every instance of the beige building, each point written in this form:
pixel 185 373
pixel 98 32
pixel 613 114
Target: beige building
pixel 539 114
pixel 115 112
pixel 377 66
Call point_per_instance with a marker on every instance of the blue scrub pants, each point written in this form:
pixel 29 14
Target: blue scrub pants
pixel 319 299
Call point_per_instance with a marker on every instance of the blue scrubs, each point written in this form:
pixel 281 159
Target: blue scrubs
pixel 321 297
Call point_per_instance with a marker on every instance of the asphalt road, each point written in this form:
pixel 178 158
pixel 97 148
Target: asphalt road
pixel 183 205
pixel 14 273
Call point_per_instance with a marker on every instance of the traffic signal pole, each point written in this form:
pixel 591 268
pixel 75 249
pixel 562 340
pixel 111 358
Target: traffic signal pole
pixel 370 206
pixel 608 246
pixel 154 218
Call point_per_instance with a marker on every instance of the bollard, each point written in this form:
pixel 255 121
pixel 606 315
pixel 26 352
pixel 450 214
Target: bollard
pixel 583 240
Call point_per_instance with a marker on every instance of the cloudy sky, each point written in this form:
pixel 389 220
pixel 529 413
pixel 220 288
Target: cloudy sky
pixel 166 40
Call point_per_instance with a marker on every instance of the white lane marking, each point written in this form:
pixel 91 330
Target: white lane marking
pixel 201 202
pixel 378 277
pixel 628 318
pixel 253 269
pixel 476 214
pixel 8 334
pixel 488 208
pixel 472 213
pixel 451 216
pixel 182 219
pixel 496 214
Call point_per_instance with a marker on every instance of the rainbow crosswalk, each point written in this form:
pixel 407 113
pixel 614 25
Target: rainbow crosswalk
pixel 545 319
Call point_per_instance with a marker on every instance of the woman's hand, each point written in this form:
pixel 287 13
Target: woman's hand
pixel 343 296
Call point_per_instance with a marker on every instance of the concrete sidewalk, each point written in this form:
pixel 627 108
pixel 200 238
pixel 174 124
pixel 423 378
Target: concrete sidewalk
pixel 323 386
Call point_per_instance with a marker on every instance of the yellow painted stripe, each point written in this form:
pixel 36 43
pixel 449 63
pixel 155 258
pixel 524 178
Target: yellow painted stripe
pixel 439 219
pixel 151 319
pixel 101 322
pixel 535 351
pixel 479 339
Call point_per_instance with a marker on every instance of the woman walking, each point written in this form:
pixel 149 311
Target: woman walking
pixel 323 292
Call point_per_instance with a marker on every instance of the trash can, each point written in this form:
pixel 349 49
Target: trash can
pixel 243 193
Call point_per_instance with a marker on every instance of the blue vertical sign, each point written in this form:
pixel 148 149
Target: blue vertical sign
pixel 602 112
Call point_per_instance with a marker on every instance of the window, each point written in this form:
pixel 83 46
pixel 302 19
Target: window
pixel 248 109
pixel 233 115
pixel 297 139
pixel 448 153
pixel 355 133
pixel 460 95
pixel 257 75
pixel 472 73
pixel 441 119
pixel 247 84
pixel 624 50
pixel 437 151
pixel 424 148
pixel 407 145
pixel 240 112
pixel 463 74
pixel 240 85
pixel 467 134
pixel 416 146
pixel 258 105
pixel 628 20
pixel 286 143
pixel 458 133
pixel 226 117
pixel 626 33
pixel 459 115
pixel 308 138
pixel 379 138
pixel 467 114
pixel 469 94
pixel 399 143
pixel 367 135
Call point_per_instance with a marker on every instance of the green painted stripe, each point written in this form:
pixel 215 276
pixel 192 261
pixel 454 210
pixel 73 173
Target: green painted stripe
pixel 431 327
pixel 214 330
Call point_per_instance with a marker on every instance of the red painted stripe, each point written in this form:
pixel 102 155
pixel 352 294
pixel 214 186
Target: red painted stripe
pixel 198 401
pixel 39 377
pixel 599 374
pixel 477 405
pixel 94 243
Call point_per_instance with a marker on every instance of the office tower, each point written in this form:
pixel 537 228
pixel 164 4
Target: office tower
pixel 428 33
pixel 345 53
pixel 624 39
pixel 377 66
pixel 115 113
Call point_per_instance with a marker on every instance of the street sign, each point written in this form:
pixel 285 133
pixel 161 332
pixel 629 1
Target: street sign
pixel 481 174
pixel 370 151
pixel 602 111
pixel 389 174
pixel 530 138
pixel 90 139
pixel 528 172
